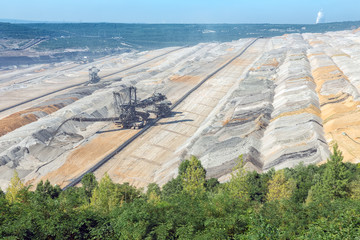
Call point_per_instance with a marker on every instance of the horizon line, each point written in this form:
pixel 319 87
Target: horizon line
pixel 22 21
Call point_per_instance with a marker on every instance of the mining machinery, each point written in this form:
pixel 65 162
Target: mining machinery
pixel 93 75
pixel 131 113
pixel 134 113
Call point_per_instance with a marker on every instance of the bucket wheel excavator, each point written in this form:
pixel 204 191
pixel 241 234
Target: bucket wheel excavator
pixel 131 112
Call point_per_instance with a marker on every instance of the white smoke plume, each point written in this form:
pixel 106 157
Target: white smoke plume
pixel 320 17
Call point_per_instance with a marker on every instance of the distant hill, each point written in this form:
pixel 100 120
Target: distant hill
pixel 20 31
pixel 18 21
pixel 98 36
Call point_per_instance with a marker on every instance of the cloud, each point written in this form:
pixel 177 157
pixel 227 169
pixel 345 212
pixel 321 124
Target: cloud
pixel 320 17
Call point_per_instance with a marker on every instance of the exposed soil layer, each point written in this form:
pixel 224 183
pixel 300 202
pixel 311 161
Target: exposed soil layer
pixel 335 73
pixel 24 117
pixel 286 100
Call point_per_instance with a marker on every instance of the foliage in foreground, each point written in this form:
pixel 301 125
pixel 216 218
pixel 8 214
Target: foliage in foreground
pixel 306 202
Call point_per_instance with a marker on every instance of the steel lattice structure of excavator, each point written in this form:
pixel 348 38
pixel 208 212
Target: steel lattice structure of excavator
pixel 134 113
pixel 93 75
pixel 131 112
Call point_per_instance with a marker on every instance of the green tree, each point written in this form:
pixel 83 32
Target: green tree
pixel 73 198
pixel 355 181
pixel 183 166
pixel 212 184
pixel 193 179
pixel 2 194
pixel 355 189
pixel 47 190
pixel 237 186
pixel 337 219
pixel 153 193
pixel 258 184
pixel 12 193
pixel 108 195
pixel 334 182
pixel 133 221
pixel 279 187
pixel 172 187
pixel 305 177
pixel 153 188
pixel 89 183
pixel 336 176
pixel 103 194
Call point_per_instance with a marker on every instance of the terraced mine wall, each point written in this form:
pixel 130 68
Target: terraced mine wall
pixel 334 58
pixel 239 126
pixel 24 117
pixel 295 133
pixel 26 154
pixel 286 100
pixel 275 117
pixel 272 119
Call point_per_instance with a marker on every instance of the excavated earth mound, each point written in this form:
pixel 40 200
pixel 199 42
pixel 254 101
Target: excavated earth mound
pixel 284 101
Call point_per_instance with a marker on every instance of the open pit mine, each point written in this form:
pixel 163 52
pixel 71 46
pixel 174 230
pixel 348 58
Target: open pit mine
pixel 277 101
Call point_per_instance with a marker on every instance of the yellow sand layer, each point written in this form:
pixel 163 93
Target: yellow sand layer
pixel 310 109
pixel 341 55
pixel 315 54
pixel 185 78
pixel 86 156
pixel 340 114
pixel 314 42
pixel 22 118
pixel 324 74
pixel 273 63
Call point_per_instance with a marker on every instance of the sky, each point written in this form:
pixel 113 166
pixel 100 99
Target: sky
pixel 182 11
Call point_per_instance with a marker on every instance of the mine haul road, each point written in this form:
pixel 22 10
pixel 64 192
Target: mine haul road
pixel 156 147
